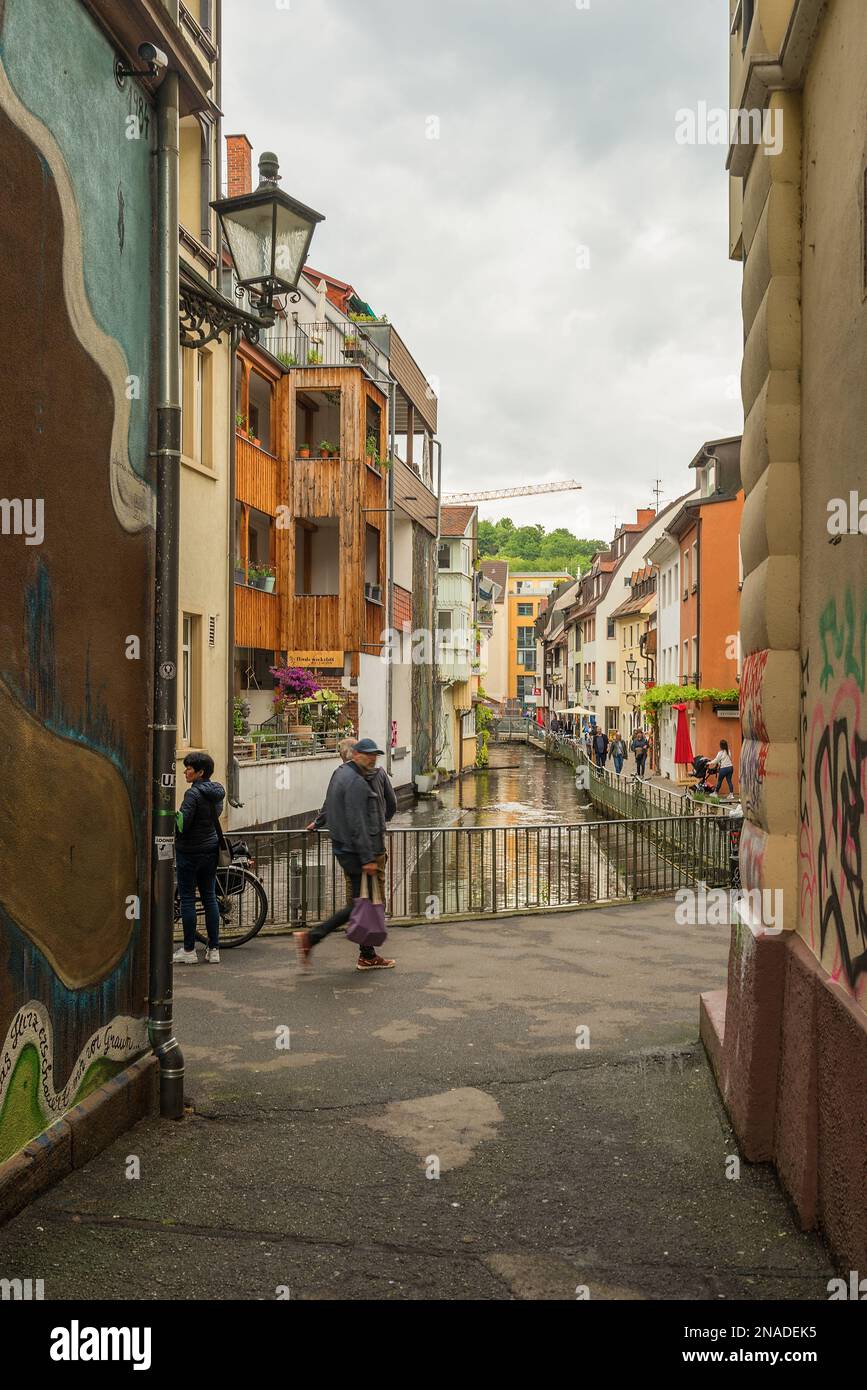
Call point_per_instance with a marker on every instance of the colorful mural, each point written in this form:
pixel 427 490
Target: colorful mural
pixel 76 223
pixel 833 747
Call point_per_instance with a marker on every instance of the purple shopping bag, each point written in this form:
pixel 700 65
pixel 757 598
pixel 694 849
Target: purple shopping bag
pixel 367 919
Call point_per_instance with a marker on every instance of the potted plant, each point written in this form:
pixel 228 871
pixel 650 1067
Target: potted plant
pixel 333 451
pixel 287 358
pixel 426 781
pixel 324 448
pixel 240 423
pixel 295 687
pixel 372 450
pixel 269 579
pixel 240 573
pixel 240 716
pixel 350 344
pixel 255 576
pixel 313 357
pixel 304 451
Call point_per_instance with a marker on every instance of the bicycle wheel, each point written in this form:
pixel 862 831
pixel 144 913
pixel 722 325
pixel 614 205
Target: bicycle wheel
pixel 242 914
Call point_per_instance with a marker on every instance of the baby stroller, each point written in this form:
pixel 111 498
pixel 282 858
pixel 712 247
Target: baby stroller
pixel 706 780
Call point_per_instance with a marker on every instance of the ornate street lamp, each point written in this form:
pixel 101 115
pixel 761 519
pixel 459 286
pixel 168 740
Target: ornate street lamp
pixel 631 668
pixel 268 235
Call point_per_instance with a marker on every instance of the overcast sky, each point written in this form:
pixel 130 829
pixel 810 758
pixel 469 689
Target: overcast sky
pixel 556 133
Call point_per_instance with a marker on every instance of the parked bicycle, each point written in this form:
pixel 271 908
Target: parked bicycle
pixel 241 898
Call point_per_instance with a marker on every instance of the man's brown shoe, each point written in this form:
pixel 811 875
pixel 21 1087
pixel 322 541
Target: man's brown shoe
pixel 374 963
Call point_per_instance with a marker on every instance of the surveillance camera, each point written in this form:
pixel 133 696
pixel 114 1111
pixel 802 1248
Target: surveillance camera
pixel 154 57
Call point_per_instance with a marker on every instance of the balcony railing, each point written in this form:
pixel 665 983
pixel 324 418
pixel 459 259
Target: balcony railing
pixel 328 345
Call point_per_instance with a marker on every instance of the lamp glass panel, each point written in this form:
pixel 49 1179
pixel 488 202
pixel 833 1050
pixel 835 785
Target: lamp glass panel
pixel 293 234
pixel 249 236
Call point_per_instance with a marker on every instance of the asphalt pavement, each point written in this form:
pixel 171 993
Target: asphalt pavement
pixel 520 1110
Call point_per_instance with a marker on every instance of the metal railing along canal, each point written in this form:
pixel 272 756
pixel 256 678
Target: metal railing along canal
pixel 465 871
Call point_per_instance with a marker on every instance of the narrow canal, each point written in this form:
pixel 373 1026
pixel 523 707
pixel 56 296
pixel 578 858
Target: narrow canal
pixel 512 837
pixel 521 787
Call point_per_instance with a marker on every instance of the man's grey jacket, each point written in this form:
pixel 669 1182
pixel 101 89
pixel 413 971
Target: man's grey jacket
pixel 355 814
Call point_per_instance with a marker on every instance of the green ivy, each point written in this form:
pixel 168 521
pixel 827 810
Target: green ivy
pixel 659 695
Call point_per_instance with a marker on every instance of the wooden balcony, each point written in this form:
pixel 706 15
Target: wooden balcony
pixel 257 618
pixel 256 476
pixel 311 623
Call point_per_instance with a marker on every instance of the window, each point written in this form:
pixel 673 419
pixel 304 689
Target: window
pixel 190 695
pixel 685 573
pixel 526 687
pixel 259 410
pixel 444 621
pixel 610 627
pixel 465 559
pixel 611 672
pixel 317 556
pixel 444 557
pixel 197 407
pixel 525 610
pixel 695 658
pixel 371 555
pixel 468 725
pixel 748 11
pixel 694 566
pixel 685 672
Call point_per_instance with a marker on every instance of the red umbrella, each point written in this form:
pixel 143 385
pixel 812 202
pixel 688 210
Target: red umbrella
pixel 682 745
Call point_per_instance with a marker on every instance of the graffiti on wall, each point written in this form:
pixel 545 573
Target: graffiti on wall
pixel 754 748
pixel 833 748
pixel 75 300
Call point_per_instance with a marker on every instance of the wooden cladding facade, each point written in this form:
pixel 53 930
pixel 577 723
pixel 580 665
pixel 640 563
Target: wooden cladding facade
pixel 257 617
pixel 348 489
pixel 295 490
pixel 257 476
pixel 414 497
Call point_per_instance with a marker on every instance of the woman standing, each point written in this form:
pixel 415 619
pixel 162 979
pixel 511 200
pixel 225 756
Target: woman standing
pixel 725 768
pixel 618 752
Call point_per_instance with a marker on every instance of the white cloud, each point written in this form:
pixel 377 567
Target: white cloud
pixel 556 132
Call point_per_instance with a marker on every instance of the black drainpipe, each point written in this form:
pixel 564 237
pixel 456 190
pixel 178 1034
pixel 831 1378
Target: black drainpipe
pixel 160 1022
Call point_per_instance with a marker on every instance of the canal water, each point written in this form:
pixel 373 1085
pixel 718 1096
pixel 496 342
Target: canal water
pixel 520 787
pixel 512 837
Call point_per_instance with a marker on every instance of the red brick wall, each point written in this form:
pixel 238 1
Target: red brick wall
pixel 239 172
pixel 402 608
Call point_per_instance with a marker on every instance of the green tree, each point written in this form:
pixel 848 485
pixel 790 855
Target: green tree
pixel 532 548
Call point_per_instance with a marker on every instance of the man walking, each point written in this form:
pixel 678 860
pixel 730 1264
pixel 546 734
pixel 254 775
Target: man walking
pixel 600 747
pixel 359 802
pixel 638 744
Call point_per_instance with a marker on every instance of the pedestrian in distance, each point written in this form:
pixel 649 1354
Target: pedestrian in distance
pixel 197 842
pixel 725 768
pixel 618 752
pixel 600 747
pixel 639 745
pixel 360 801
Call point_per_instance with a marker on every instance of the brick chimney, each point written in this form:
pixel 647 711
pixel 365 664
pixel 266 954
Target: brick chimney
pixel 644 516
pixel 239 167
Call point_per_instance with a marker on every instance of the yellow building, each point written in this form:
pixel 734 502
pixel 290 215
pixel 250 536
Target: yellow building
pixel 788 1040
pixel 527 596
pixel 207 394
pixel 631 622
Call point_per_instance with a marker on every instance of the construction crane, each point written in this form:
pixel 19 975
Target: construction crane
pixel 452 499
